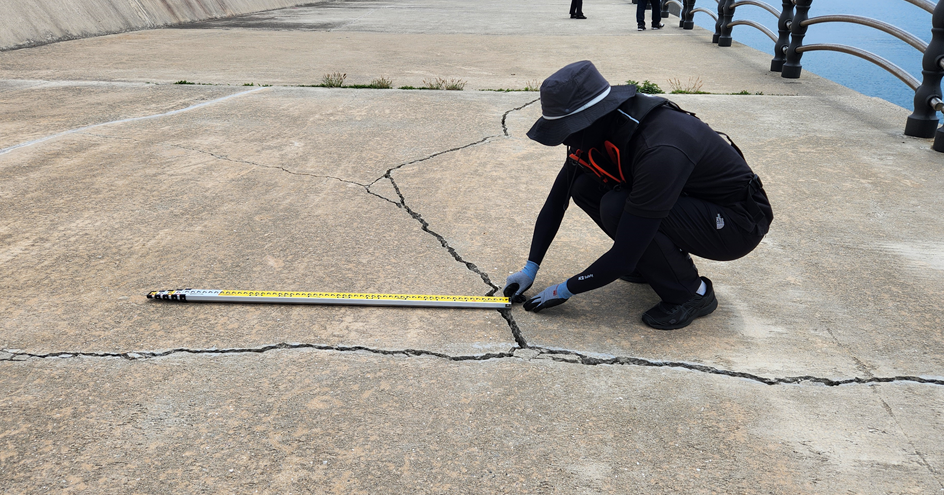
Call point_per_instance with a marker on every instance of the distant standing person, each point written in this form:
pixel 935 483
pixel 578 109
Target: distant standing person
pixel 576 9
pixel 641 14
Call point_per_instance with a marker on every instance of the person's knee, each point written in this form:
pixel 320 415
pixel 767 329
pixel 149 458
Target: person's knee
pixel 612 206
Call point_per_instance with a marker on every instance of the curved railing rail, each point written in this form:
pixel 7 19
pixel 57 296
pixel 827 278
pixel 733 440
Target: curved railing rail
pixel 793 21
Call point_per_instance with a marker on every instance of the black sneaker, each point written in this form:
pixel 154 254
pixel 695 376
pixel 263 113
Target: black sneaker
pixel 656 27
pixel 641 28
pixel 664 316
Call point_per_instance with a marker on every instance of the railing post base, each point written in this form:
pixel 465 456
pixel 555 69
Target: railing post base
pixel 791 71
pixel 783 42
pixel 923 128
pixel 725 40
pixel 686 15
pixel 938 141
pixel 791 68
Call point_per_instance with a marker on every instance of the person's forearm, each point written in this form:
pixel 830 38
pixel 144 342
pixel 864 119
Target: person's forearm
pixel 632 238
pixel 551 215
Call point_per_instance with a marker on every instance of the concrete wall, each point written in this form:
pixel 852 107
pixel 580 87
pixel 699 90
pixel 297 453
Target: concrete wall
pixel 34 22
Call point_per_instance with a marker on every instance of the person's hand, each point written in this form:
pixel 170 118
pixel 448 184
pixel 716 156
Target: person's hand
pixel 520 281
pixel 554 295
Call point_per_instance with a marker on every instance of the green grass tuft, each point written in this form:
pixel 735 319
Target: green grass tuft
pixel 646 87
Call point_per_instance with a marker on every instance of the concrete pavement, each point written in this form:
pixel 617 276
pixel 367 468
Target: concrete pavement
pixel 821 371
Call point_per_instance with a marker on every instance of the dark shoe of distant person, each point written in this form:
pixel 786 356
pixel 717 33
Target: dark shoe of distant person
pixel 577 16
pixel 665 316
pixel 641 28
pixel 660 26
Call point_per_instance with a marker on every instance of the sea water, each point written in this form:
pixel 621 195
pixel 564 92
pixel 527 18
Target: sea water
pixel 848 70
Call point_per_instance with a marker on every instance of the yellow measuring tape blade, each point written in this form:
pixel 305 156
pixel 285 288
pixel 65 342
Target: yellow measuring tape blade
pixel 346 298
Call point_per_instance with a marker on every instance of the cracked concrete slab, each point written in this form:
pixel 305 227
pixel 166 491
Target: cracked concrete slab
pixel 776 318
pixel 426 425
pixel 279 219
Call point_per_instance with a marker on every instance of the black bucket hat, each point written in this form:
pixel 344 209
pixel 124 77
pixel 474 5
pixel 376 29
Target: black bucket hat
pixel 572 99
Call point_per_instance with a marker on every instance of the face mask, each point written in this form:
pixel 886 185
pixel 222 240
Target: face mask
pixel 574 140
pixel 592 136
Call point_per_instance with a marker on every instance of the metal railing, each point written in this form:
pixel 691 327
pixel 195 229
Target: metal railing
pixel 793 21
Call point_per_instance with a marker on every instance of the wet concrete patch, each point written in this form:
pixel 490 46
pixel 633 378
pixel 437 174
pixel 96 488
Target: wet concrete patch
pixel 313 17
pixel 265 23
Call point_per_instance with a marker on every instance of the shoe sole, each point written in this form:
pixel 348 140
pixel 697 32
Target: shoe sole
pixel 707 310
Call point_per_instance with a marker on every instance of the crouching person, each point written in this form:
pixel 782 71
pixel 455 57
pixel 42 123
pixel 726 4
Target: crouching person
pixel 657 180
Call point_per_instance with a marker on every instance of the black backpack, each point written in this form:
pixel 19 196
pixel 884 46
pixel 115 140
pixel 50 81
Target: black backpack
pixel 605 164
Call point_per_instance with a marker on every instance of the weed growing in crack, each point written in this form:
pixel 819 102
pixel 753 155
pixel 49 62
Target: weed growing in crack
pixel 692 88
pixel 335 80
pixel 442 84
pixel 532 85
pixel 455 85
pixel 381 83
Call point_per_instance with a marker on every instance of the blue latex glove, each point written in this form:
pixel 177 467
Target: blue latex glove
pixel 521 281
pixel 548 298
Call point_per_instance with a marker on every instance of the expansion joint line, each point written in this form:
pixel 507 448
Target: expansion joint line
pixel 125 121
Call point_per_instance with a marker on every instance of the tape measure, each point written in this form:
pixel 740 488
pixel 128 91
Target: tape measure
pixel 344 298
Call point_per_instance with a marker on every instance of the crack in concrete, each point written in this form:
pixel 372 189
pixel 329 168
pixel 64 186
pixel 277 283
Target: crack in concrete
pixel 505 116
pixel 571 357
pixel 18 355
pixel 556 355
pixel 922 459
pixel 283 169
pixel 402 203
pixel 506 314
pixel 439 237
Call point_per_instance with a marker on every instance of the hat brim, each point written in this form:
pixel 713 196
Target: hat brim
pixel 554 132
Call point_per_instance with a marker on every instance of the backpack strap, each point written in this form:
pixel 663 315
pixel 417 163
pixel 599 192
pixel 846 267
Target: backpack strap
pixel 633 111
pixel 733 145
pixel 598 166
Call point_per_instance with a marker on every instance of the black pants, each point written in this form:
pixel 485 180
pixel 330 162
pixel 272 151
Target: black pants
pixel 693 226
pixel 576 7
pixel 641 12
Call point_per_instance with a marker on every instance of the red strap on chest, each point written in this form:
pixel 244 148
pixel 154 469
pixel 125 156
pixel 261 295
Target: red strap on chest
pixel 592 161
